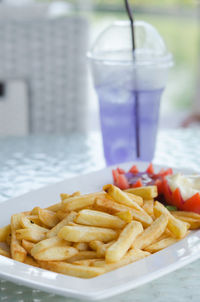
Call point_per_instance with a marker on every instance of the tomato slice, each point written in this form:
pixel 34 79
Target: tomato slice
pixel 120 171
pixel 150 169
pixel 137 184
pixel 134 169
pixel 162 173
pixel 159 184
pixel 192 204
pixel 115 175
pixel 122 182
pixel 177 199
pixel 150 178
pixel 167 192
pixel 168 171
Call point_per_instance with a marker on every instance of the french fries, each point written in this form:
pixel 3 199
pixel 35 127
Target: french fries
pixel 55 207
pixel 4 252
pixel 186 214
pixel 61 214
pixel 148 206
pixel 30 234
pixel 80 271
pixel 123 198
pixel 26 223
pixel 87 235
pixel 35 211
pixel 132 197
pixel 118 249
pixel 147 193
pixel 64 196
pixel 100 247
pixel 16 221
pixel 113 207
pixel 192 218
pixel 79 202
pixel 48 217
pixel 132 256
pixel 30 261
pixel 160 245
pixel 97 218
pixel 86 262
pixel 101 250
pixel 68 218
pixel 34 219
pixel 83 255
pixel 4 232
pixel 27 245
pixel 176 226
pixel 46 244
pixel 95 244
pixel 18 253
pixel 150 234
pixel 81 246
pixel 125 215
pixel 194 223
pixel 56 253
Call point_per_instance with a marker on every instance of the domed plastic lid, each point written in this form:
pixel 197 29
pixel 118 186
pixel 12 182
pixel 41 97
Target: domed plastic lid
pixel 114 45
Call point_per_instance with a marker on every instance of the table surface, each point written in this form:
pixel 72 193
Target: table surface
pixel 27 163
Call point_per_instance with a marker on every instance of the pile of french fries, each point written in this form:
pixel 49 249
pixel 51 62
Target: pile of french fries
pixel 88 235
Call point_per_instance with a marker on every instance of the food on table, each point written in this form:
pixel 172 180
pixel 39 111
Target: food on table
pixel 88 235
pixel 183 191
pixel 135 178
pixel 178 191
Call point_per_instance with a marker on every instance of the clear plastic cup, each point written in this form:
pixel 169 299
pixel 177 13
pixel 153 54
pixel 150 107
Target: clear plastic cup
pixel 118 77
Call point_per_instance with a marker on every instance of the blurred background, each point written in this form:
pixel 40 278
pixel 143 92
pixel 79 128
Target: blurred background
pixel 45 81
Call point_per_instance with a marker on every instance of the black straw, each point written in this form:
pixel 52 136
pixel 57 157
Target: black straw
pixel 130 15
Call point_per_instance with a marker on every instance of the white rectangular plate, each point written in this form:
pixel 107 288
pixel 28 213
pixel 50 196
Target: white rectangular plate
pixel 104 286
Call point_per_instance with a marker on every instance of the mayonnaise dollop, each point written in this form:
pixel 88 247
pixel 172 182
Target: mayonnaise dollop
pixel 187 184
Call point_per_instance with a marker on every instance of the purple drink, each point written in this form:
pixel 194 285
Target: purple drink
pixel 118 79
pixel 118 120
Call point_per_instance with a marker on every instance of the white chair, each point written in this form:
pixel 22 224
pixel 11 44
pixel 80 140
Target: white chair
pixel 49 54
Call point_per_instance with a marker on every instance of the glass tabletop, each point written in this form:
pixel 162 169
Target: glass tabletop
pixel 28 163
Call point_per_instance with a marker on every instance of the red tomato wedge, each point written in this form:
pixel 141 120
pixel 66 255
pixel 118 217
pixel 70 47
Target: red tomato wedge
pixel 167 172
pixel 176 199
pixel 115 175
pixel 122 182
pixel 134 170
pixel 150 169
pixel 192 204
pixel 120 171
pixel 137 184
pixel 159 184
pixel 167 192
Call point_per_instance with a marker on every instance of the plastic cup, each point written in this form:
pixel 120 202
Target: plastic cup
pixel 118 77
